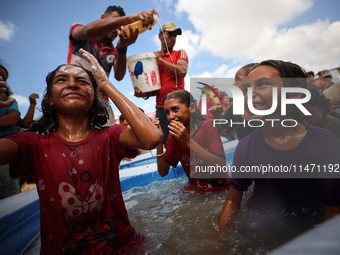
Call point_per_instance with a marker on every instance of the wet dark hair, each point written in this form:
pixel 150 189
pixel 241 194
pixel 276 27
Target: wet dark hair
pixel 223 94
pixel 8 92
pixel 114 8
pixel 250 67
pixel 310 73
pixel 121 118
pixel 294 76
pixel 49 122
pixel 288 70
pixel 186 98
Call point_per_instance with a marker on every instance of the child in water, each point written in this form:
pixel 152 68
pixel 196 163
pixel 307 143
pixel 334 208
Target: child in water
pixel 319 106
pixel 275 145
pixel 193 141
pixel 75 165
pixel 218 113
pixel 9 111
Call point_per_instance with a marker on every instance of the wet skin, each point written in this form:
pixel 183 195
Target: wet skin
pixel 72 90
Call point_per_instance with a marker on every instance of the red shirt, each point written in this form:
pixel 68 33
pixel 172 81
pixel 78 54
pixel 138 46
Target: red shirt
pixel 81 205
pixel 210 103
pixel 208 137
pixel 105 55
pixel 168 79
pixel 225 107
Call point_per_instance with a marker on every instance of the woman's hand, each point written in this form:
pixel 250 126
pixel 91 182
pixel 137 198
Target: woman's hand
pixel 216 111
pixel 157 124
pixel 124 39
pixel 159 56
pixel 33 98
pixel 97 70
pixel 139 93
pixel 179 131
pixel 146 17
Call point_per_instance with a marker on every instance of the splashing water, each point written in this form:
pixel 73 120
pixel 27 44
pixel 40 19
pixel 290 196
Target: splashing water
pixel 176 222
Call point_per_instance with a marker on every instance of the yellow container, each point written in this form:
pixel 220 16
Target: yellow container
pixel 138 24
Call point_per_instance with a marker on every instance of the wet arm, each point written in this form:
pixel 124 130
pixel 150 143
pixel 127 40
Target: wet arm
pixel 162 166
pixel 123 42
pixel 9 151
pixel 103 26
pixel 25 122
pixel 11 118
pixel 143 133
pixel 7 103
pixel 120 66
pixel 230 208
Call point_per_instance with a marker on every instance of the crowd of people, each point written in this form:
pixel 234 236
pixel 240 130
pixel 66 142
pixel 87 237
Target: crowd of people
pixel 74 150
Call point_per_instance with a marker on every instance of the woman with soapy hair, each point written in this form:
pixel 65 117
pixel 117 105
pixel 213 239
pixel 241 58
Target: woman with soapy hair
pixel 75 165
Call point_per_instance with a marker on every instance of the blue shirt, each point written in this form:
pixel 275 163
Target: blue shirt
pixel 5 131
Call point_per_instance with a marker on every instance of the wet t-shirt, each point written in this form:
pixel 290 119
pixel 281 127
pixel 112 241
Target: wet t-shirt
pixel 82 209
pixel 208 138
pixel 292 196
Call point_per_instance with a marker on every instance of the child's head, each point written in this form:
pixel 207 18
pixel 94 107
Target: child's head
pixel 271 74
pixel 4 76
pixel 3 72
pixel 293 74
pixel 318 105
pixel 242 73
pixel 224 98
pixel 310 76
pixel 122 121
pixel 180 105
pixel 97 114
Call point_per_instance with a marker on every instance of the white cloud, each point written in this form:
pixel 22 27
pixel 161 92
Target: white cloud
pixel 163 4
pixel 246 31
pixel 7 30
pixel 148 106
pixel 188 41
pixel 22 100
pixel 222 71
